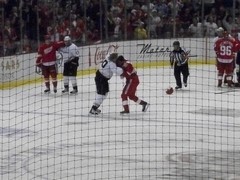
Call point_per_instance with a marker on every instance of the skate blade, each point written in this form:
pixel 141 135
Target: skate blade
pixel 146 108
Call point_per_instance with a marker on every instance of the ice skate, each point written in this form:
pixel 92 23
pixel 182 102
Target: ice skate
pixel 98 111
pixel 74 92
pixel 145 107
pixel 46 91
pixel 94 112
pixel 124 112
pixel 219 83
pixel 237 85
pixel 65 91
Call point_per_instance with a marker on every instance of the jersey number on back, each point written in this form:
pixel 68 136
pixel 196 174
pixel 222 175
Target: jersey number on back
pixel 225 50
pixel 104 63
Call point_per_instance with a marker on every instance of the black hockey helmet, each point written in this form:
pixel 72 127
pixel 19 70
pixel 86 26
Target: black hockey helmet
pixel 120 61
pixel 176 43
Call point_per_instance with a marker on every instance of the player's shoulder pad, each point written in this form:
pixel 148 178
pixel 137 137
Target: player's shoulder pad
pixel 73 45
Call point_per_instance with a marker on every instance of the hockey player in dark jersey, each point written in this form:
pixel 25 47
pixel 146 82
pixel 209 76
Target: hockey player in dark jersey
pixel 179 61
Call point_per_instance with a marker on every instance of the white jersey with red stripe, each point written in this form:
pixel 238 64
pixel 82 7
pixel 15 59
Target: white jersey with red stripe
pixel 107 68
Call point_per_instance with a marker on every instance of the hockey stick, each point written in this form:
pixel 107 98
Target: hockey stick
pixel 226 91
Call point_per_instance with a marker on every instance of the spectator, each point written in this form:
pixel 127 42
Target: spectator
pixel 155 21
pixel 228 22
pixel 140 32
pixel 114 24
pixel 31 21
pixel 196 29
pixel 196 4
pixel 8 6
pixel 212 14
pixel 221 12
pixel 1 43
pixel 128 4
pixel 211 27
pixel 44 12
pixel 185 21
pixel 14 20
pixel 9 31
pixel 117 26
pixel 78 30
pixel 27 48
pixel 64 28
pixel 50 32
pixel 162 8
pixel 235 31
pixel 178 7
pixel 93 12
pixel 208 4
pixel 130 28
pixel 219 23
pixel 10 38
pixel 10 47
pixel 117 7
pixel 146 7
pixel 93 36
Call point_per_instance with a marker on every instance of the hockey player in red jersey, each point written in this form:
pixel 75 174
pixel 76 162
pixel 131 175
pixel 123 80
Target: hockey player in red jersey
pixel 225 49
pixel 46 60
pixel 237 60
pixel 130 88
pixel 220 34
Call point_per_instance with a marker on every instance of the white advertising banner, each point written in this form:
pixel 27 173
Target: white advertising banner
pixel 22 67
pixel 18 67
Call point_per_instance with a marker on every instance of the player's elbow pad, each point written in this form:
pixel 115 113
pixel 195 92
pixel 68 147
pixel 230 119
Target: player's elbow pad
pixel 119 71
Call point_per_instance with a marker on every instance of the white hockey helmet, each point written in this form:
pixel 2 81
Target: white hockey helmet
pixel 220 29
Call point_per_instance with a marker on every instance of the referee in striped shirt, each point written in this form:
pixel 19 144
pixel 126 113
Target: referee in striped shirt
pixel 179 61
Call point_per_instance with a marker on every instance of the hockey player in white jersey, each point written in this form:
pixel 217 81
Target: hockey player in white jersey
pixel 70 59
pixel 106 70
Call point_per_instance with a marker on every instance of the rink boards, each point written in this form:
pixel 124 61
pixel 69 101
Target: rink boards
pixel 20 69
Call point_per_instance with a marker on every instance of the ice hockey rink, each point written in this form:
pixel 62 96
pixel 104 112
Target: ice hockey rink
pixel 192 134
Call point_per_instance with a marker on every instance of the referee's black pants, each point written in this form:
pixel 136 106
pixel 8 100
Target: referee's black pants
pixel 178 70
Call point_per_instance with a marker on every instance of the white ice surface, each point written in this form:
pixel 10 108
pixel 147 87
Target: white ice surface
pixel 192 134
